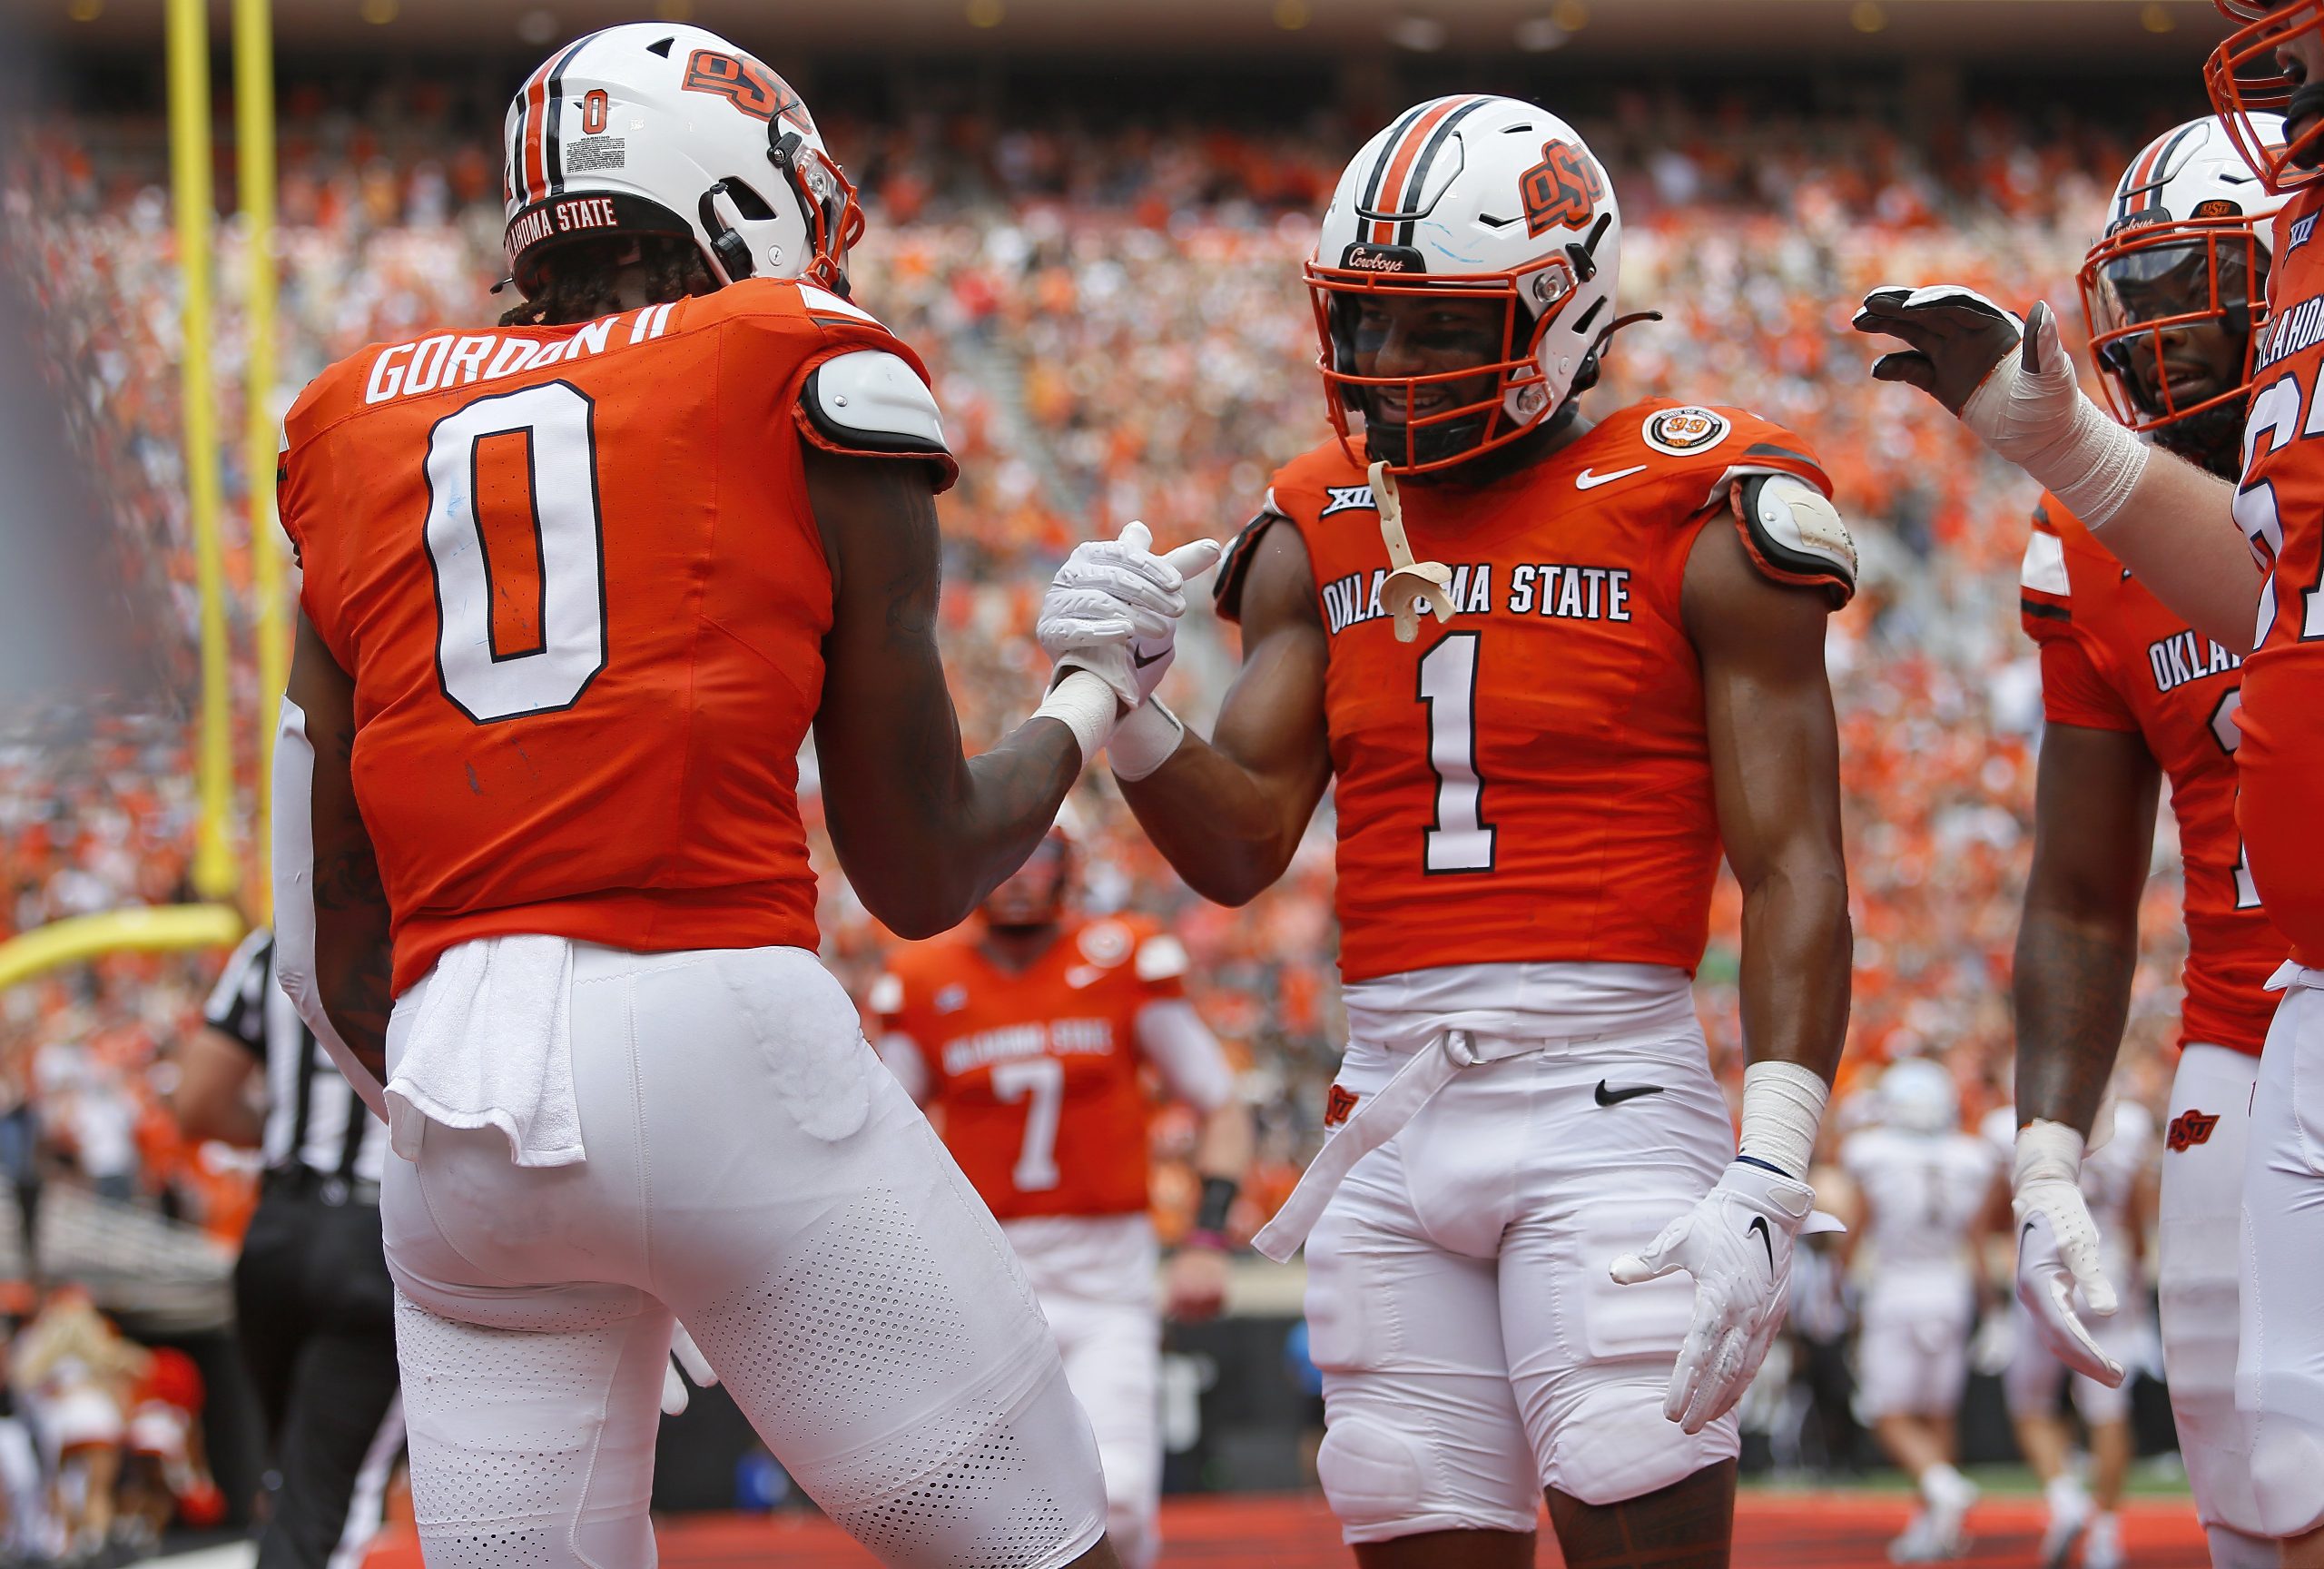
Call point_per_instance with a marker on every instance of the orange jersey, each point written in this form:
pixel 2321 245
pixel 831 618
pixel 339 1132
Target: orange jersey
pixel 1532 780
pixel 2112 658
pixel 575 578
pixel 2280 505
pixel 1036 1073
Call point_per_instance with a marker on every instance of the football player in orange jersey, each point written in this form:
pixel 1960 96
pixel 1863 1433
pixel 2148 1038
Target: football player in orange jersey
pixel 1625 676
pixel 2132 696
pixel 2164 519
pixel 1026 1034
pixel 574 592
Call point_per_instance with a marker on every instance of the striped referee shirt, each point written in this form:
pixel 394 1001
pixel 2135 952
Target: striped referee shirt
pixel 313 1116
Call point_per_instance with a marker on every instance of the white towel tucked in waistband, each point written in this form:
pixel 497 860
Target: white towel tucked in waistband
pixel 491 1045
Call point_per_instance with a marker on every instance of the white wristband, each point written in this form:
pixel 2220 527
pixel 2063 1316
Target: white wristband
pixel 1783 1105
pixel 1085 704
pixel 2046 1150
pixel 1142 743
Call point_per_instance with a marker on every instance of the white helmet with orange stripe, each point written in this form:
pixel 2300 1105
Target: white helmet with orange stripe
pixel 2175 287
pixel 1490 201
pixel 659 128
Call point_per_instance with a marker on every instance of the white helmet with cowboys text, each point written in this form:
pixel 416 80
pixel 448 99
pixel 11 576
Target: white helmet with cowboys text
pixel 2186 248
pixel 1477 198
pixel 659 128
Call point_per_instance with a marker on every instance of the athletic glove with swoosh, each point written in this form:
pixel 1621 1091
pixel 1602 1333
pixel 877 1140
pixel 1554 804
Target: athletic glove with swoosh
pixel 1113 609
pixel 1737 1243
pixel 2058 1273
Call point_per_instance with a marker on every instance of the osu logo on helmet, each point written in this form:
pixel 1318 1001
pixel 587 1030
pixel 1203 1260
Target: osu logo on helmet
pixel 1562 188
pixel 754 89
pixel 2191 1127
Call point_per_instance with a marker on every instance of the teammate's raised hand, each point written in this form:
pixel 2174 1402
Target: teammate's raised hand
pixel 1737 1243
pixel 2058 1273
pixel 2012 384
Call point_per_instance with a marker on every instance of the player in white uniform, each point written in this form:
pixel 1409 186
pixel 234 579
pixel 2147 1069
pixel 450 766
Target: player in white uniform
pixel 2117 1182
pixel 1926 1186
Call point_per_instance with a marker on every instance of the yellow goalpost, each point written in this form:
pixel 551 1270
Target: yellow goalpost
pixel 217 864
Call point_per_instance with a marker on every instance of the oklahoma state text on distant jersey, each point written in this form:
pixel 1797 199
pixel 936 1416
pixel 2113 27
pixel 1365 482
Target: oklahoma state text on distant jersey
pixel 2280 507
pixel 1532 780
pixel 1038 1074
pixel 575 576
pixel 2112 658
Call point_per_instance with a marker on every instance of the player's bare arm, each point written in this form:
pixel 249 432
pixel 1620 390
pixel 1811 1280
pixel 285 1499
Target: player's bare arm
pixel 2095 795
pixel 352 957
pixel 2013 386
pixel 922 831
pixel 1228 813
pixel 1774 768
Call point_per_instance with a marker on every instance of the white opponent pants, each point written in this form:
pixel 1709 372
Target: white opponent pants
pixel 753 1169
pixel 1094 1277
pixel 1473 1349
pixel 2280 1370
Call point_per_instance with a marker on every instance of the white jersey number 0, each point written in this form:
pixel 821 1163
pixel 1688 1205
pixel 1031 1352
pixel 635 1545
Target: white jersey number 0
pixel 484 681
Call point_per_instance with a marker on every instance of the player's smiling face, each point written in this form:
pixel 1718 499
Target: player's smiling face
pixel 1417 335
pixel 2300 54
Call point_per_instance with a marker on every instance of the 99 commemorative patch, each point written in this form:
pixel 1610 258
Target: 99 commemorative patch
pixel 1681 432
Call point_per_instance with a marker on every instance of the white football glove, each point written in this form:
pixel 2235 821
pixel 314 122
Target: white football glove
pixel 2058 1273
pixel 684 1354
pixel 1112 594
pixel 1737 1243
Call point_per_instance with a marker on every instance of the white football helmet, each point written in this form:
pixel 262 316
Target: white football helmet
pixel 1478 198
pixel 659 128
pixel 2186 247
pixel 1918 1096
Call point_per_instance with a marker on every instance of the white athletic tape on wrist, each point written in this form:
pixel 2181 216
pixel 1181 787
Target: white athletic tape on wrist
pixel 1783 1106
pixel 1143 742
pixel 2090 462
pixel 1083 704
pixel 2046 1150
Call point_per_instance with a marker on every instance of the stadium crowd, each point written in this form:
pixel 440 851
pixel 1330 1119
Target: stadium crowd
pixel 1117 329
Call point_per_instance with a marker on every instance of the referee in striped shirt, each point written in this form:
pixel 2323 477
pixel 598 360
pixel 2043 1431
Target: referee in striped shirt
pixel 314 1305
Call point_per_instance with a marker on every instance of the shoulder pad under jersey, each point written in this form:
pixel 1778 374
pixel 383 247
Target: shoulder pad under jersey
pixel 1226 586
pixel 1795 534
pixel 869 400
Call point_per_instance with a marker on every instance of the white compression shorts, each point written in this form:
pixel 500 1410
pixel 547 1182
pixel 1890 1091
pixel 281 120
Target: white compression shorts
pixel 753 1169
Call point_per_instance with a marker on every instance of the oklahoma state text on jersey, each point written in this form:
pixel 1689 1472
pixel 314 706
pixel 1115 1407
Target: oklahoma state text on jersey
pixel 574 574
pixel 1036 1074
pixel 1530 781
pixel 2112 658
pixel 2280 508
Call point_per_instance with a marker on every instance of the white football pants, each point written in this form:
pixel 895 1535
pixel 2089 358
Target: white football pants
pixel 2279 1368
pixel 753 1169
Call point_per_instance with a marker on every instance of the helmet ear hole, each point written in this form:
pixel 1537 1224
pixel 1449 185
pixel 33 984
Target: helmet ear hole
pixel 748 201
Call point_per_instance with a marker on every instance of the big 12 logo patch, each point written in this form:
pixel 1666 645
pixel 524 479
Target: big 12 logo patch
pixel 1563 188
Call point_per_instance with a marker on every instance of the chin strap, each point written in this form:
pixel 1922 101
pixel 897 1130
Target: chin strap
pixel 1413 587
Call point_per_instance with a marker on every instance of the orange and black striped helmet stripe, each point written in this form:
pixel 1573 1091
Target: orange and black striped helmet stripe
pixel 2142 189
pixel 536 153
pixel 1399 175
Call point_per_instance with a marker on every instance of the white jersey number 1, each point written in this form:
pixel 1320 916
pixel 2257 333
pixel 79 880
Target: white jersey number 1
pixel 1460 839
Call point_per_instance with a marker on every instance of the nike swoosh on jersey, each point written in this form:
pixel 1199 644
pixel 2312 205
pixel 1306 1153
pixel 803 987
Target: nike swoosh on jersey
pixel 1760 1225
pixel 1607 1097
pixel 1588 480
